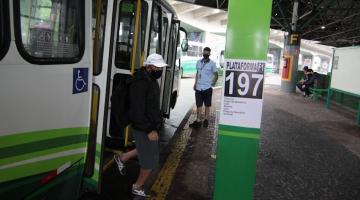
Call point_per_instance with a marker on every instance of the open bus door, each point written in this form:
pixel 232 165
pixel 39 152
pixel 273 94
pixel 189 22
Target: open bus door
pixel 173 72
pixel 133 29
pixel 114 32
pixel 120 30
pixel 167 80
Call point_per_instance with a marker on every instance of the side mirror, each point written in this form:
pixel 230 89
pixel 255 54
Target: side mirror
pixel 222 64
pixel 185 45
pixel 222 59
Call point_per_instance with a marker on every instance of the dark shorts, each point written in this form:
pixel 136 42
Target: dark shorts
pixel 203 97
pixel 148 151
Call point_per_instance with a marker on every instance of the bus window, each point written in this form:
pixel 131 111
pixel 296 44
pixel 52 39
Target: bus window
pixel 99 17
pixel 155 32
pixel 222 58
pixel 144 16
pixel 164 30
pixel 50 31
pixel 200 52
pixel 4 29
pixel 126 28
pixel 194 51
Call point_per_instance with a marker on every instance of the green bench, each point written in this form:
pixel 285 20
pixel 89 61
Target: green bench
pixel 318 91
pixel 328 101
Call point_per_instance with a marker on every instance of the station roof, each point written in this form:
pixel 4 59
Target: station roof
pixel 331 22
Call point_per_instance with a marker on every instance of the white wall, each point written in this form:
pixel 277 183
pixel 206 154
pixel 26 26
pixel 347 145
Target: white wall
pixel 216 44
pixel 346 70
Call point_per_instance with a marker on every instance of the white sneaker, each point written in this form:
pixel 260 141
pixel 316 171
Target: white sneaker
pixel 140 192
pixel 120 164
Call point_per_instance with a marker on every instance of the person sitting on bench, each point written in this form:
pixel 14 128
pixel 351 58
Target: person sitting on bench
pixel 303 79
pixel 309 83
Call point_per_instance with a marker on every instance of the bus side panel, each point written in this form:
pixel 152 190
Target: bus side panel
pixel 44 124
pixel 68 181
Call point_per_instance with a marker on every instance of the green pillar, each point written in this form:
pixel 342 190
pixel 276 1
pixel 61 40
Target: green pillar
pixel 241 107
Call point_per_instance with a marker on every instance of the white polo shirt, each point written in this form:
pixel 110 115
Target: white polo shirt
pixel 205 72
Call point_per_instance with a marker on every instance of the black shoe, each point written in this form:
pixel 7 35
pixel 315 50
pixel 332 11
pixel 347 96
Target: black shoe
pixel 206 123
pixel 195 125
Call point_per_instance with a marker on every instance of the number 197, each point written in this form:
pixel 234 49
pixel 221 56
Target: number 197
pixel 243 82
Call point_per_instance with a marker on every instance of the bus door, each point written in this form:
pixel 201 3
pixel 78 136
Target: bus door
pixel 101 28
pixel 130 22
pixel 172 76
pixel 164 21
pixel 124 47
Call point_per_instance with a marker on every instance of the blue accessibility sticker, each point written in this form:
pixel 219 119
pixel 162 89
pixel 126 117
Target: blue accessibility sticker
pixel 80 80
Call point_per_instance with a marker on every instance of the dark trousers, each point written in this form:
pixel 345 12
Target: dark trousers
pixel 306 89
pixel 203 97
pixel 299 85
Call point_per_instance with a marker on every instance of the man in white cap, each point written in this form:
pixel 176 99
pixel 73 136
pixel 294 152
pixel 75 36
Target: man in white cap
pixel 145 117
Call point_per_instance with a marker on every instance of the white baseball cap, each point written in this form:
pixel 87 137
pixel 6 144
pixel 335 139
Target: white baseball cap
pixel 156 60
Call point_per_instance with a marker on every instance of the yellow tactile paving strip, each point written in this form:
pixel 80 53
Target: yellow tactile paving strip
pixel 166 175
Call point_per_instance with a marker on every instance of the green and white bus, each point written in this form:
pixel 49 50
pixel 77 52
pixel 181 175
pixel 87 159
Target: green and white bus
pixel 59 63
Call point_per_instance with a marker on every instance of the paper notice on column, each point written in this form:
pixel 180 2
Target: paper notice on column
pixel 242 101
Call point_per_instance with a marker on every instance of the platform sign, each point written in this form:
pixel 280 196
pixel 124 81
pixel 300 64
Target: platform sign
pixel 247 42
pixel 242 93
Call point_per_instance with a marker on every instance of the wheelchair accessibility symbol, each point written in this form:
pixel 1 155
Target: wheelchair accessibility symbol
pixel 80 80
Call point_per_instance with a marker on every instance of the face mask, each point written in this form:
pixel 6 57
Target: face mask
pixel 206 56
pixel 156 74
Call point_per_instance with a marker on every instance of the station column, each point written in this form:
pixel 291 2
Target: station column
pixel 241 106
pixel 291 55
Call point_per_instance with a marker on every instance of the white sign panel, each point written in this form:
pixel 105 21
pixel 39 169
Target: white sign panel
pixel 346 70
pixel 242 93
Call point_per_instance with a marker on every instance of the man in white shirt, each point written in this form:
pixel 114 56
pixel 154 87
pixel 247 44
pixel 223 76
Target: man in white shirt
pixel 206 77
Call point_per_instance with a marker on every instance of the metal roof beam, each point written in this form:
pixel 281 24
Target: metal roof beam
pixel 335 22
pixel 287 26
pixel 323 6
pixel 339 33
pixel 283 27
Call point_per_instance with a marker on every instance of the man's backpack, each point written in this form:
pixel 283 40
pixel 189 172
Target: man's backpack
pixel 120 106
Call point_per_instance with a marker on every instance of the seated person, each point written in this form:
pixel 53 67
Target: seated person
pixel 309 83
pixel 303 79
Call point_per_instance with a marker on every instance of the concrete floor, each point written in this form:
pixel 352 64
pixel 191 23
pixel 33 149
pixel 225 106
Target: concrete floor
pixel 306 152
